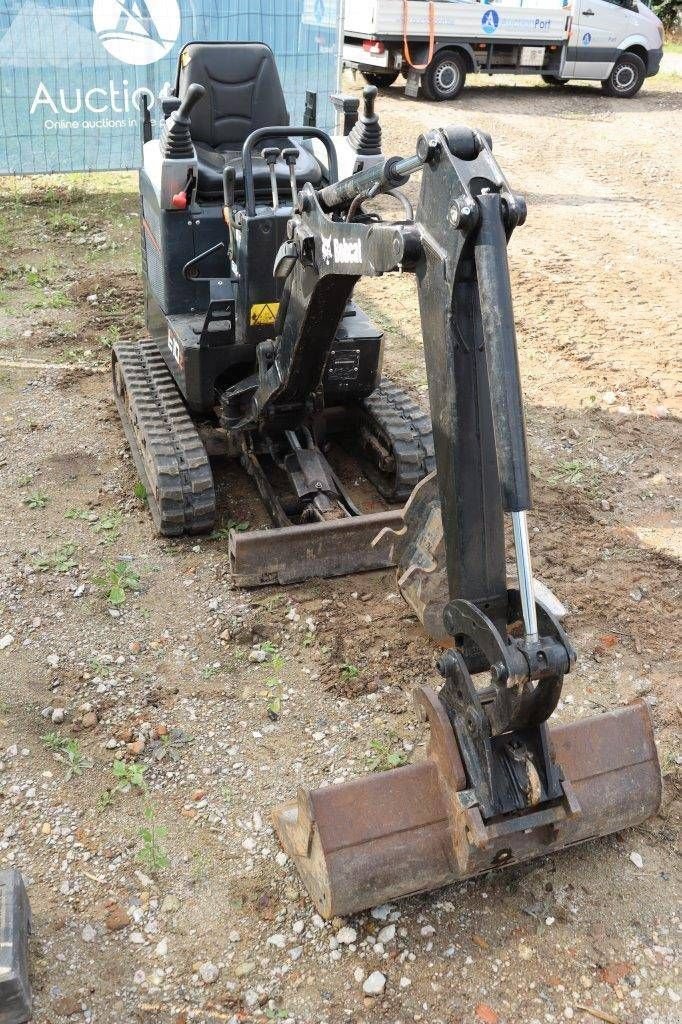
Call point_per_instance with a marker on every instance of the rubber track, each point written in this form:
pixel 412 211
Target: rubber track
pixel 169 454
pixel 394 417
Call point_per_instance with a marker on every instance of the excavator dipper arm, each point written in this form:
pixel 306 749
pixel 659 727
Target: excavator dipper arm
pixel 496 786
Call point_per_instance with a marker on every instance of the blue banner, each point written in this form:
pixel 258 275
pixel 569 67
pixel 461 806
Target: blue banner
pixel 73 74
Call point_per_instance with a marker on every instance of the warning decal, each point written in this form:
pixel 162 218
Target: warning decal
pixel 264 313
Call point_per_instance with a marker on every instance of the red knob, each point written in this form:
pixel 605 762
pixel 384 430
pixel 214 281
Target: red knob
pixel 179 201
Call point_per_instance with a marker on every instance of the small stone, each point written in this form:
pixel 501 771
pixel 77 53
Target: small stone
pixel 52 660
pixel 637 859
pixel 525 952
pixel 297 927
pixel 386 934
pixel 198 794
pixel 346 935
pixel 208 973
pixel 89 720
pixel 117 918
pixel 58 716
pixel 46 828
pixel 137 746
pixel 405 982
pixel 375 984
pixel 137 938
pixel 277 940
pixel 608 398
pixel 296 952
pixel 247 967
pixel 428 930
pixel 6 640
pixel 170 904
pixel 88 934
pixel 549 921
pixel 258 656
pixel 234 935
pixel 317 921
pixel 359 974
pixel 281 859
pixel 161 948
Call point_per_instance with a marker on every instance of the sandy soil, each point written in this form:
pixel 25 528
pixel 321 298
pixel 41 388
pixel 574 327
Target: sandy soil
pixel 210 925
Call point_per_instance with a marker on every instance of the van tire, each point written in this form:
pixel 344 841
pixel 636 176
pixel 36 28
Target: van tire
pixel 381 81
pixel 626 78
pixel 445 76
pixel 551 80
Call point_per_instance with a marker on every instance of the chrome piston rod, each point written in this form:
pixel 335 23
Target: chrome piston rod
pixel 525 571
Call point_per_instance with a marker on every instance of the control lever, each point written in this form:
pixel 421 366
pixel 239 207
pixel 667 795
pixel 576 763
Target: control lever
pixel 271 155
pixel 290 156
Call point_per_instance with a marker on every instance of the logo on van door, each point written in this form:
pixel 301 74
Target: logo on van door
pixel 490 21
pixel 587 39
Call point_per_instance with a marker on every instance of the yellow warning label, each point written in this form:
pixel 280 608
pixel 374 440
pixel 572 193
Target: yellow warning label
pixel 185 58
pixel 264 313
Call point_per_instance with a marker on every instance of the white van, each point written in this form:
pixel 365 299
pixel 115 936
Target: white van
pixel 436 44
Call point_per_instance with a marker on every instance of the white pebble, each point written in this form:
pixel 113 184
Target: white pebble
pixel 375 984
pixel 208 973
pixel 88 934
pixel 405 982
pixel 277 940
pixel 637 859
pixel 386 934
pixel 346 935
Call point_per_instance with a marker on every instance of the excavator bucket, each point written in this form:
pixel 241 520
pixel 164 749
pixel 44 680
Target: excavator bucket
pixel 412 829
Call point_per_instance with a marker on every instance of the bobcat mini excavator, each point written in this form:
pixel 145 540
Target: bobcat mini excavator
pixel 497 786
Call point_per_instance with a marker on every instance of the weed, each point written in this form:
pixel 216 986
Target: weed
pixel 349 671
pixel 110 336
pixel 274 698
pixel 109 525
pixel 73 757
pixel 60 560
pixel 115 580
pixel 226 527
pixel 105 800
pixel 208 671
pixel 36 500
pixel 152 856
pixel 53 741
pixel 172 745
pixel 269 648
pixel 129 776
pixel 575 473
pixel 86 514
pixel 140 491
pixel 25 480
pixel 385 755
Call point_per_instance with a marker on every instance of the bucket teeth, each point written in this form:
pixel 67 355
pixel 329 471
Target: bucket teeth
pixel 412 829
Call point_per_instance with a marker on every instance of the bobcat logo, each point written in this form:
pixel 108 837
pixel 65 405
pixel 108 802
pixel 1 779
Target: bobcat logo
pixel 326 249
pixel 137 31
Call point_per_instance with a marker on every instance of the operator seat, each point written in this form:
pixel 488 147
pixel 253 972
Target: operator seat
pixel 243 92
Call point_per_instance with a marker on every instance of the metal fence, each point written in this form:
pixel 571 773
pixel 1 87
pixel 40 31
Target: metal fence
pixel 73 73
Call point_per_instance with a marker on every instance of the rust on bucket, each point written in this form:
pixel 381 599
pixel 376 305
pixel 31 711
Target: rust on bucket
pixel 412 829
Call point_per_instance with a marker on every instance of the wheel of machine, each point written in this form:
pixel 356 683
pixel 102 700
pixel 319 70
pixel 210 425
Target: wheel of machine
pixel 381 81
pixel 626 78
pixel 552 80
pixel 396 441
pixel 445 77
pixel 169 455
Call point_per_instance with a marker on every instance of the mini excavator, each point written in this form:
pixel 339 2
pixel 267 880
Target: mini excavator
pixel 497 786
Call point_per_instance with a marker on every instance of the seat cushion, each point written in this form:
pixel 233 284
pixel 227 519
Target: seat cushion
pixel 243 91
pixel 212 163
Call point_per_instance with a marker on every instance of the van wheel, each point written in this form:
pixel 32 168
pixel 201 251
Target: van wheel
pixel 445 77
pixel 381 81
pixel 626 78
pixel 551 80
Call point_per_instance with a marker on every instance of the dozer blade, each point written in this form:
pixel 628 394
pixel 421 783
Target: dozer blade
pixel 291 554
pixel 412 829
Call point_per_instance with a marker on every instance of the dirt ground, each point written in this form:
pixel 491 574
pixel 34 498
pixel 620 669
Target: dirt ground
pixel 158 894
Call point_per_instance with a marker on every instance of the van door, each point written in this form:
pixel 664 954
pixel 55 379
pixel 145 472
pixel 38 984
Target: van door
pixel 596 32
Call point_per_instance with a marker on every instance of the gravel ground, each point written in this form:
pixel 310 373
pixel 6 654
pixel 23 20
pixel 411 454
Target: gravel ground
pixel 138 761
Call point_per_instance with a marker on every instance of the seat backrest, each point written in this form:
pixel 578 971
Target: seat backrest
pixel 243 90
